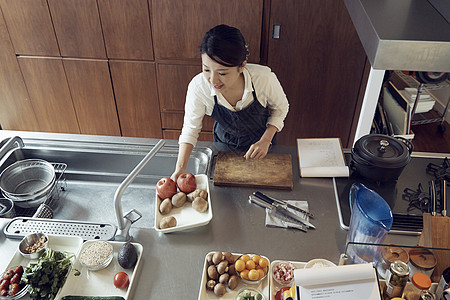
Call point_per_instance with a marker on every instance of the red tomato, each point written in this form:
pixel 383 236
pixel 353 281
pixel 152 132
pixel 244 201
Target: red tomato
pixel 15 278
pixel 19 270
pixel 4 293
pixel 121 280
pixel 279 294
pixel 8 275
pixel 4 284
pixel 14 288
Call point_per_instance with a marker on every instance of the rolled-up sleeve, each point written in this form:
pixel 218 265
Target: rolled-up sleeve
pixel 277 102
pixel 194 111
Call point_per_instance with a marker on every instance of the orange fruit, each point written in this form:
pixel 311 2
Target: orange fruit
pixel 263 262
pixel 253 275
pixel 245 257
pixel 261 273
pixel 239 265
pixel 256 258
pixel 250 265
pixel 244 274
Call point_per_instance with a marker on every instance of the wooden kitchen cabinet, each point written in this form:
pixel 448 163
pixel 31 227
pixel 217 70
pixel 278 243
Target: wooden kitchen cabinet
pixel 49 92
pixel 92 95
pixel 179 26
pixel 320 62
pixel 16 111
pixel 30 27
pixel 126 29
pixel 77 27
pixel 136 98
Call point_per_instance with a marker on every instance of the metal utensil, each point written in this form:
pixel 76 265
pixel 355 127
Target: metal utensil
pixel 286 213
pixel 443 194
pixel 289 223
pixel 281 202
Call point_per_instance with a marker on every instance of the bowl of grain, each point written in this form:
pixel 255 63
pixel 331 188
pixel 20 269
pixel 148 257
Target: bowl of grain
pixel 33 245
pixel 95 255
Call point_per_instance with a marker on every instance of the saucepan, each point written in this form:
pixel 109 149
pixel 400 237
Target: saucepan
pixel 381 157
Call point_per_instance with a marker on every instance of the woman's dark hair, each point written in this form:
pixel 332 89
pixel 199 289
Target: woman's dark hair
pixel 225 45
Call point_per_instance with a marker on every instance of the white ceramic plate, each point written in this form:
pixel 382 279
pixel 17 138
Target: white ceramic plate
pixel 69 244
pixel 101 283
pixel 186 216
pixel 262 287
pixel 275 286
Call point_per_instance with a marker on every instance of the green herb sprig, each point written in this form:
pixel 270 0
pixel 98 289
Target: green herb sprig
pixel 48 275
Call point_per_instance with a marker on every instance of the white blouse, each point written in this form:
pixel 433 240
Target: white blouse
pixel 200 100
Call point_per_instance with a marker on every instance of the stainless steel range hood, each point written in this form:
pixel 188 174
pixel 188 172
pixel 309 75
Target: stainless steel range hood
pixel 402 34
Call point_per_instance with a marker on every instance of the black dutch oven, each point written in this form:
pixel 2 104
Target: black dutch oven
pixel 381 157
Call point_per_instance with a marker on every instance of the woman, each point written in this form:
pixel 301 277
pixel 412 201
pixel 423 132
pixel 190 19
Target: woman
pixel 246 100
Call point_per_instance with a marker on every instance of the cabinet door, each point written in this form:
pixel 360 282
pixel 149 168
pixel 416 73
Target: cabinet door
pixel 92 96
pixel 136 98
pixel 126 29
pixel 77 27
pixel 47 85
pixel 173 81
pixel 319 61
pixel 16 111
pixel 30 27
pixel 178 26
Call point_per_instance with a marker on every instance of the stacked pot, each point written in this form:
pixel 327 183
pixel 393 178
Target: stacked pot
pixel 380 157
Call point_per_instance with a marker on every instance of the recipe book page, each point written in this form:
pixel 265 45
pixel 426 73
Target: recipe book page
pixel 338 283
pixel 321 158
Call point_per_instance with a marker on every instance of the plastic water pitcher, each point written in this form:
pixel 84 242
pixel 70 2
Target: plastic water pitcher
pixel 370 221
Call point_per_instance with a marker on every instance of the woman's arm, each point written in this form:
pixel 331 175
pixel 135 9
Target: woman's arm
pixel 184 153
pixel 259 149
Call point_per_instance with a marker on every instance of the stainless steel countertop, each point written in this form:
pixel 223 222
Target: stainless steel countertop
pixel 172 263
pixel 402 34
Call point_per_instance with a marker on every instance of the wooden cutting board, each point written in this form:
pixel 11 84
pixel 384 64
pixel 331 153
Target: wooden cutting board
pixel 435 234
pixel 273 171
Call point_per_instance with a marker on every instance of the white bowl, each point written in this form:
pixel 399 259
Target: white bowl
pixel 319 263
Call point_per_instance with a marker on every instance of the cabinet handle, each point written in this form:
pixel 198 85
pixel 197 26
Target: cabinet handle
pixel 276 31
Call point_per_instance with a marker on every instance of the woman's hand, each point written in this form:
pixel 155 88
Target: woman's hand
pixel 176 174
pixel 258 150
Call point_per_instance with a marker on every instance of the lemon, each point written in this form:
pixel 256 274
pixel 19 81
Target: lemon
pixel 239 265
pixel 253 274
pixel 250 265
pixel 244 274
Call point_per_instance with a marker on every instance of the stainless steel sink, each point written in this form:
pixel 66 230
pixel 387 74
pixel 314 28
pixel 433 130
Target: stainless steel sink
pixel 96 168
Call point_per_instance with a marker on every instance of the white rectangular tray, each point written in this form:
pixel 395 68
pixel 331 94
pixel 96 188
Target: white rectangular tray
pixel 186 216
pixel 100 283
pixel 69 244
pixel 263 286
pixel 275 286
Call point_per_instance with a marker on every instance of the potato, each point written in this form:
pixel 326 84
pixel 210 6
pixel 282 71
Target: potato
pixel 200 204
pixel 232 270
pixel 165 207
pixel 210 285
pixel 179 199
pixel 209 258
pixel 220 290
pixel 167 222
pixel 224 278
pixel 229 257
pixel 212 272
pixel 222 267
pixel 197 193
pixel 233 282
pixel 217 257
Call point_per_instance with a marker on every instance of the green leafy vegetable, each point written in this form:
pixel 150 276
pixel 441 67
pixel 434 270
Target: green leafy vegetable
pixel 48 275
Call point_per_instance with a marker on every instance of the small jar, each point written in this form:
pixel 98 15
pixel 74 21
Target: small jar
pixel 388 256
pixel 396 279
pixel 420 290
pixel 421 260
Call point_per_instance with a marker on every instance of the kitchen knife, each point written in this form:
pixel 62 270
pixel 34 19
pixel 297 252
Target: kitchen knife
pixel 272 200
pixel 289 223
pixel 283 211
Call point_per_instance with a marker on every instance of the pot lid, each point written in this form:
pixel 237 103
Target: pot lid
pixel 382 150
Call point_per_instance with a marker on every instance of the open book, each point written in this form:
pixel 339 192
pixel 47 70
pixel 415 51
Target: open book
pixel 322 157
pixel 338 283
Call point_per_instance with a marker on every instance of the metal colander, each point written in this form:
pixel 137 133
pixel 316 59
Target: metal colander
pixel 28 182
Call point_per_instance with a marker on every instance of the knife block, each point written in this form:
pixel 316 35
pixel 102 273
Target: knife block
pixel 436 234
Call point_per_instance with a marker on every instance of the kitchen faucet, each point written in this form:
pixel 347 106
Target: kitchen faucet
pixel 9 144
pixel 133 215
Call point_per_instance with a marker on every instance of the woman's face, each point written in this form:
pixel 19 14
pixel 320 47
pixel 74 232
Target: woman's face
pixel 221 77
